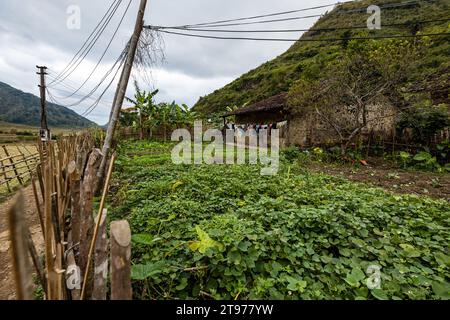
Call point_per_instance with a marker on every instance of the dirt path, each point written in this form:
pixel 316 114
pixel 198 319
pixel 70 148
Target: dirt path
pixel 396 180
pixel 7 287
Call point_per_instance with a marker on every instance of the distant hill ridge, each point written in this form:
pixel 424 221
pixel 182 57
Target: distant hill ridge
pixel 19 107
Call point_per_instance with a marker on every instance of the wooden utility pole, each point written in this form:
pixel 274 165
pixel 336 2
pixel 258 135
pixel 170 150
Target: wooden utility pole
pixel 121 90
pixel 44 132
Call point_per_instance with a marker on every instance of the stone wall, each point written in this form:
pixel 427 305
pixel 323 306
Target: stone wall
pixel 309 129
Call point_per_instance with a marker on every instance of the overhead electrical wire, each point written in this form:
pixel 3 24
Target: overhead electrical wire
pixel 52 99
pixel 254 22
pixel 86 41
pixel 96 103
pixel 88 49
pixel 263 16
pixel 104 52
pixel 69 89
pixel 78 96
pixel 296 30
pixel 106 75
pixel 304 40
pixel 219 23
pixel 187 30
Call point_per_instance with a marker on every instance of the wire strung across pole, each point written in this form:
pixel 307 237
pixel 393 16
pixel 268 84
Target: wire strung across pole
pixel 305 40
pixel 88 40
pixel 106 75
pixel 157 28
pixel 219 23
pixel 93 106
pixel 104 52
pixel 263 16
pixel 68 89
pixel 88 50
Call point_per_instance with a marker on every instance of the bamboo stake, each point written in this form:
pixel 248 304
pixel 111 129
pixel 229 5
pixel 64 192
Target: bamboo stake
pixel 101 261
pixel 73 280
pixel 97 225
pixel 21 264
pixel 38 206
pixel 35 258
pixel 87 223
pixel 39 170
pixel 120 237
pixel 49 234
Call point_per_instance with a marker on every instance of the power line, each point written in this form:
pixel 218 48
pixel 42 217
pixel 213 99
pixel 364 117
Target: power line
pixel 92 107
pixel 121 57
pixel 70 89
pixel 104 52
pixel 77 96
pixel 305 40
pixel 91 45
pixel 255 22
pixel 262 16
pixel 90 94
pixel 86 42
pixel 219 23
pixel 296 30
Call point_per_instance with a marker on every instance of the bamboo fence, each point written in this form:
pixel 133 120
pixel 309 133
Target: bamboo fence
pixel 76 255
pixel 17 165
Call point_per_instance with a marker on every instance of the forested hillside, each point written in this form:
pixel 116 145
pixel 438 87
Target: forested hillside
pixel 307 59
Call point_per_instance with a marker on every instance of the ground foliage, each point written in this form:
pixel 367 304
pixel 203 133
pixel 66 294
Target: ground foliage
pixel 228 233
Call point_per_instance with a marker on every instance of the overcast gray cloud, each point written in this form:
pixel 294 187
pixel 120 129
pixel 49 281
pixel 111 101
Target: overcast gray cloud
pixel 35 32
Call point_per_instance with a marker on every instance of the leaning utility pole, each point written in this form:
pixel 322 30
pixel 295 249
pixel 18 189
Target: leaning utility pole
pixel 121 90
pixel 44 132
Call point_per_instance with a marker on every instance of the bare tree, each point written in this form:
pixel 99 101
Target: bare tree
pixel 367 74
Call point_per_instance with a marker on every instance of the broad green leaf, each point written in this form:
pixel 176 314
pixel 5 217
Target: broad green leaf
pixel 142 238
pixel 234 256
pixel 296 285
pixel 442 290
pixel 205 242
pixel 353 278
pixel 144 271
pixel 183 284
pixel 379 294
pixel 244 245
pixel 410 250
pixel 404 155
pixel 422 156
pixel 442 259
pixel 345 252
pixel 360 243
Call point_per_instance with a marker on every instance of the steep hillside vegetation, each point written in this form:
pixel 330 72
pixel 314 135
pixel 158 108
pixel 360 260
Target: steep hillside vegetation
pixel 306 60
pixel 24 108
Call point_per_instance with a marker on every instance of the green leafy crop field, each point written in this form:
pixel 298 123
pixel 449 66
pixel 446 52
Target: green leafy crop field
pixel 226 232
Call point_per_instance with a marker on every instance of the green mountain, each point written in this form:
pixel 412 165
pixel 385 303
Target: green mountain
pixel 24 108
pixel 306 60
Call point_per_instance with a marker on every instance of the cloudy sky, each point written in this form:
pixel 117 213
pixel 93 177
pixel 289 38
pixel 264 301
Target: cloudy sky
pixel 36 33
